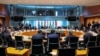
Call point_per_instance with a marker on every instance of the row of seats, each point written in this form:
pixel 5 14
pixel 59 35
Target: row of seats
pixel 38 46
pixel 92 51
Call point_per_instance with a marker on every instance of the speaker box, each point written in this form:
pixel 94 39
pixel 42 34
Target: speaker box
pixel 17 18
pixel 71 18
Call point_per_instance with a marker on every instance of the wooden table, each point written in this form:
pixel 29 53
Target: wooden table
pixel 81 52
pixel 11 51
pixel 54 52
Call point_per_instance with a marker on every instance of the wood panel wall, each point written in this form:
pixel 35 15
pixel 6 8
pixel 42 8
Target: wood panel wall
pixel 4 14
pixel 90 14
pixel 91 10
pixel 91 19
pixel 82 20
pixel 3 10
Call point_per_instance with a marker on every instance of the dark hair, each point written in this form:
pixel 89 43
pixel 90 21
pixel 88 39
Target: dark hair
pixel 39 31
pixel 52 31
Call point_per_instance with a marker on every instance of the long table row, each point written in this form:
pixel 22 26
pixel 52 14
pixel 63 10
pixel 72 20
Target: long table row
pixel 27 35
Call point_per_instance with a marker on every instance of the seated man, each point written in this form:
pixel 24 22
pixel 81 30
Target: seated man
pixel 39 35
pixel 53 34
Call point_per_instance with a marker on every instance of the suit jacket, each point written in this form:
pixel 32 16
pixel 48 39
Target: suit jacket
pixel 68 38
pixel 8 37
pixel 38 36
pixel 54 35
pixel 87 35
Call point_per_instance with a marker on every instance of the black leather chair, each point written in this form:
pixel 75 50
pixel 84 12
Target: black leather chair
pixel 3 41
pixel 94 51
pixel 10 41
pixel 52 43
pixel 18 38
pixel 73 41
pixel 19 44
pixel 0 41
pixel 37 42
pixel 98 40
pixel 38 47
pixel 2 51
pixel 92 41
pixel 37 50
pixel 86 39
pixel 93 38
pixel 66 52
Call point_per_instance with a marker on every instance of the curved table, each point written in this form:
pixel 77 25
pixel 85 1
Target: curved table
pixel 27 35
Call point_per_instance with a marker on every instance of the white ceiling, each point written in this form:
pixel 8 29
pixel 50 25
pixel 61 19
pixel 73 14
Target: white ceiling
pixel 53 2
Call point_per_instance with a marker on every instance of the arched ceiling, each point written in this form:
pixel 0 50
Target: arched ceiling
pixel 53 2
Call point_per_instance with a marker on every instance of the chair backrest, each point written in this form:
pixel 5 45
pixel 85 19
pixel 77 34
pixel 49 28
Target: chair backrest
pixel 37 50
pixel 73 39
pixel 86 39
pixel 3 41
pixel 91 44
pixel 2 51
pixel 53 40
pixel 37 41
pixel 19 45
pixel 0 41
pixel 93 38
pixel 66 52
pixel 18 42
pixel 98 40
pixel 93 51
pixel 52 43
pixel 73 42
pixel 18 38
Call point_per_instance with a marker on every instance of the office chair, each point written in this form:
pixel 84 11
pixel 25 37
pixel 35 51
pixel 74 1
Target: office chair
pixel 37 42
pixel 19 43
pixel 66 52
pixel 73 42
pixel 37 50
pixel 3 41
pixel 18 38
pixel 81 45
pixel 98 40
pixel 93 38
pixel 0 41
pixel 92 41
pixel 52 43
pixel 86 39
pixel 10 41
pixel 2 51
pixel 93 51
pixel 37 47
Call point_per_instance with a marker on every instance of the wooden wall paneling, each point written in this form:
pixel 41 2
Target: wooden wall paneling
pixel 7 21
pixel 4 13
pixel 82 19
pixel 91 19
pixel 91 10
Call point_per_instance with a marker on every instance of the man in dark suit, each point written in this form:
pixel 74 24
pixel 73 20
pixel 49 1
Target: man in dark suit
pixel 53 34
pixel 7 36
pixel 39 35
pixel 70 35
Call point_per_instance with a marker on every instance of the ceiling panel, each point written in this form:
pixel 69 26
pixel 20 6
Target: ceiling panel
pixel 53 2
